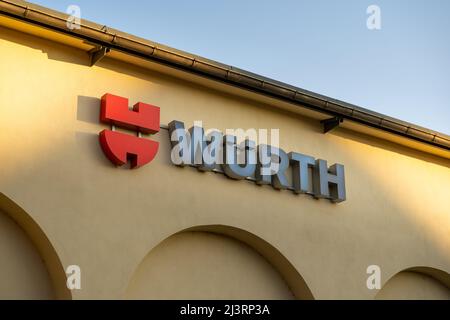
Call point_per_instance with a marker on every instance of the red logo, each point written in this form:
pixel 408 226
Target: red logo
pixel 120 147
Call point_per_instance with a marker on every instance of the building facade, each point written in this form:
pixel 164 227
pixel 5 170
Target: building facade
pixel 164 231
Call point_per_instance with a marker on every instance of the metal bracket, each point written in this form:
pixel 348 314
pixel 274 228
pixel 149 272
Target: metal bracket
pixel 97 54
pixel 330 124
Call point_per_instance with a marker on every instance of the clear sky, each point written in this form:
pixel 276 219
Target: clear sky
pixel 402 70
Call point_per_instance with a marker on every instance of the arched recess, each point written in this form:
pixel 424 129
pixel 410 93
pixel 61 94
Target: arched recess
pixel 417 283
pixel 32 239
pixel 248 244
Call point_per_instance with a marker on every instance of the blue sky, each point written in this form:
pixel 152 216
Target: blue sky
pixel 402 70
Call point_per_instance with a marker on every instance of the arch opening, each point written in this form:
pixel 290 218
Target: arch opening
pixel 31 267
pixel 418 283
pixel 216 262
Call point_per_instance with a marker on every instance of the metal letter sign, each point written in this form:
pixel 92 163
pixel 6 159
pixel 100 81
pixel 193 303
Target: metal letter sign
pixel 119 147
pixel 264 164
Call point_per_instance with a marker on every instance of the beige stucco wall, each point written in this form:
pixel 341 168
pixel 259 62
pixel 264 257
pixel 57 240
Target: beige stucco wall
pixel 23 274
pixel 107 219
pixel 179 266
pixel 415 286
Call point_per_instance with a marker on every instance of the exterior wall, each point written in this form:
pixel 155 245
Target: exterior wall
pixel 414 286
pixel 24 275
pixel 195 265
pixel 107 219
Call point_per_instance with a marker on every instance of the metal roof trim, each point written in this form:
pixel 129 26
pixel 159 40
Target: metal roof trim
pixel 114 39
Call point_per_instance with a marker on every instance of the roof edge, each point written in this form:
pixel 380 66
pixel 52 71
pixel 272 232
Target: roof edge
pixel 103 36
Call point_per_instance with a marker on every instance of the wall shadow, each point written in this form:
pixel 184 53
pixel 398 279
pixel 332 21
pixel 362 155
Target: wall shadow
pixel 88 109
pixel 389 145
pixel 42 243
pixel 416 283
pixel 53 50
pixel 273 256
